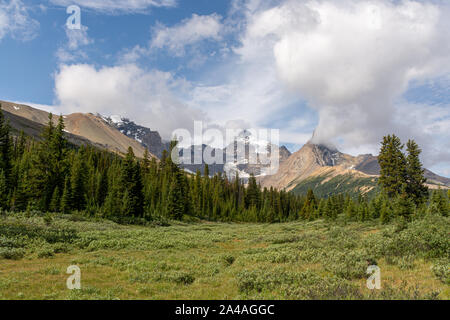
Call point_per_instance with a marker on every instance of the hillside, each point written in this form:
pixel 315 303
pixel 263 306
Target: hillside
pixel 327 171
pixel 80 128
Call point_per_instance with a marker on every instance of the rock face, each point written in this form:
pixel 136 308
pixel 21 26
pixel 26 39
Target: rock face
pixel 314 160
pixel 145 136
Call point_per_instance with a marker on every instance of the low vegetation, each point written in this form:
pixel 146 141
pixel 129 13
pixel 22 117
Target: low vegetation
pixel 296 260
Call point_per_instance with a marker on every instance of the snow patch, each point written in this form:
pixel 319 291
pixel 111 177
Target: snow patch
pixel 116 119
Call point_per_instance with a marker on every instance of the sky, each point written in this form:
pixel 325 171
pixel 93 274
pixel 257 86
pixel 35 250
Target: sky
pixel 349 71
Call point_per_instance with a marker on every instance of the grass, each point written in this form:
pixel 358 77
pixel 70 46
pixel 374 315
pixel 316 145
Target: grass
pixel 298 260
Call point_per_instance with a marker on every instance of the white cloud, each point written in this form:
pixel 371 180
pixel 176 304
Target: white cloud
pixel 148 97
pixel 187 32
pixel 113 6
pixel 78 37
pixel 16 22
pixel 351 60
pixel 76 40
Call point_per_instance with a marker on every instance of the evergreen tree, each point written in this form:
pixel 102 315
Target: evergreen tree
pixel 176 206
pixel 252 196
pixel 132 184
pixel 5 149
pixel 393 166
pixel 416 187
pixel 3 191
pixel 78 183
pixel 66 199
pixel 404 205
pixel 309 205
pixel 385 215
pixel 439 203
pixel 55 202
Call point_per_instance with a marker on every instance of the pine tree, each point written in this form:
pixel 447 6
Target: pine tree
pixel 55 202
pixel 439 203
pixel 43 176
pixel 416 180
pixel 385 215
pixel 5 149
pixel 3 191
pixel 78 183
pixel 393 166
pixel 66 199
pixel 309 206
pixel 350 210
pixel 132 184
pixel 146 163
pixel 176 205
pixel 404 205
pixel 252 197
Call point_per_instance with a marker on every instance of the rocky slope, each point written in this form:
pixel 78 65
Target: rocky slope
pixel 82 128
pixel 315 166
pixel 145 136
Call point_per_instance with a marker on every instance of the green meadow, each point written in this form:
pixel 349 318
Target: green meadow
pixel 203 260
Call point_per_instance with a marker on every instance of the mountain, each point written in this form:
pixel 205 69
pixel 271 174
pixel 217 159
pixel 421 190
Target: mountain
pixel 243 157
pixel 80 128
pixel 327 171
pixel 146 137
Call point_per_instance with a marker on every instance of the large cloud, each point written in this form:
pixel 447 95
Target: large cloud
pixel 352 60
pixel 148 97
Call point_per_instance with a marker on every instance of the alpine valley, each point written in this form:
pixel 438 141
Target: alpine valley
pixel 322 168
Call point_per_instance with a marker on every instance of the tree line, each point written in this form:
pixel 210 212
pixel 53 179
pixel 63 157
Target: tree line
pixel 51 175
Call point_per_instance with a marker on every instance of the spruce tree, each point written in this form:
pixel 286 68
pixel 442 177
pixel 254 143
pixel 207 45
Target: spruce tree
pixel 78 183
pixel 439 203
pixel 3 191
pixel 404 205
pixel 416 180
pixel 385 215
pixel 392 166
pixel 252 197
pixel 66 199
pixel 5 148
pixel 132 184
pixel 176 205
pixel 55 202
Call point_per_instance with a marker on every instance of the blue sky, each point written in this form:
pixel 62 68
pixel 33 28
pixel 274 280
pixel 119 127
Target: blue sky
pixel 290 65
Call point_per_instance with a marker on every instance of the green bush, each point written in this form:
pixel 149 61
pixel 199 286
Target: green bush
pixel 228 259
pixel 184 278
pixel 45 253
pixel 441 270
pixel 12 253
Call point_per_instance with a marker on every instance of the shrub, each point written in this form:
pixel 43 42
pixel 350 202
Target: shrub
pixel 45 253
pixel 228 259
pixel 347 264
pixel 183 278
pixel 441 270
pixel 12 253
pixel 259 280
pixel 313 287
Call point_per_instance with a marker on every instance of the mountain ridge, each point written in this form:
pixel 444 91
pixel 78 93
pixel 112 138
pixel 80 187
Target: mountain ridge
pixel 117 134
pixel 79 127
pixel 312 159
